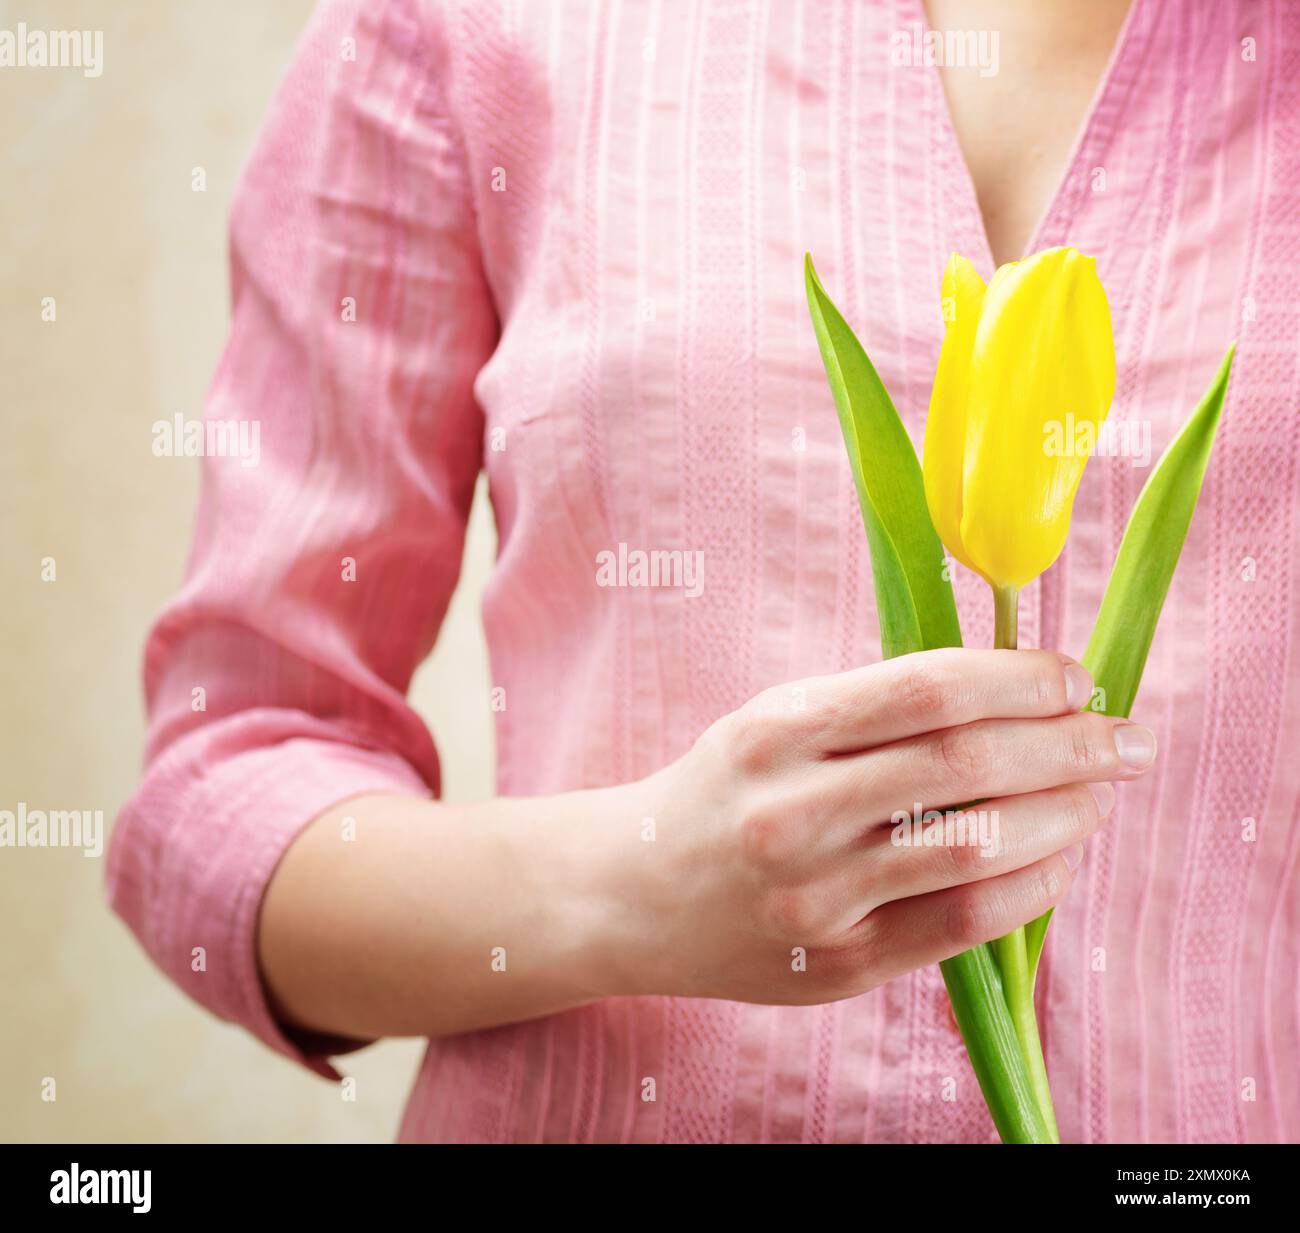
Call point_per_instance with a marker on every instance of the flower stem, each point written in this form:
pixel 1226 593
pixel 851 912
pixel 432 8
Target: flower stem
pixel 1012 952
pixel 1006 617
pixel 1013 963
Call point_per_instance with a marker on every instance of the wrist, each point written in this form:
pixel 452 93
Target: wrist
pixel 616 891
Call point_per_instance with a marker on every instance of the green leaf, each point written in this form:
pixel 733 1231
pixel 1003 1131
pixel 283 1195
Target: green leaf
pixel 917 612
pixel 980 1006
pixel 1035 935
pixel 1143 569
pixel 913 595
pixel 1148 554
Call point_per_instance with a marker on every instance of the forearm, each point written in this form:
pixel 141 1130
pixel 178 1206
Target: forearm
pixel 763 865
pixel 395 915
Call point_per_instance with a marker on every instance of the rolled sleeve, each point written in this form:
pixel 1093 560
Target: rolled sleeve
pixel 323 562
pixel 194 852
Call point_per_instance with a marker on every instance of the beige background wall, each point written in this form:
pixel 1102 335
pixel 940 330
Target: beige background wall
pixel 97 211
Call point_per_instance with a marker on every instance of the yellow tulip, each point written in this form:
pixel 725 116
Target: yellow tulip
pixel 1025 379
pixel 1030 352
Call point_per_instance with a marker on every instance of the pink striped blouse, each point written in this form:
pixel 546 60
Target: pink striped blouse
pixel 563 242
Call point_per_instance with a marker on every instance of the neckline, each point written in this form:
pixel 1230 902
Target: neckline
pixel 1094 133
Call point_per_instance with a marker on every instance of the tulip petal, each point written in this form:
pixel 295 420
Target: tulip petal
pixel 1042 379
pixel 945 424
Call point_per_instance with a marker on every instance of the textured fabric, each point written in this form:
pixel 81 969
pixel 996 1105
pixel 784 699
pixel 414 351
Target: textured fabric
pixel 573 235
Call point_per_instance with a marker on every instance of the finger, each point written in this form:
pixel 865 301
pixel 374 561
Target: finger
pixel 920 855
pixel 995 757
pixel 912 694
pixel 926 929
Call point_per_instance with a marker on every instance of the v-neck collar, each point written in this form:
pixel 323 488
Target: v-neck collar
pixel 1091 139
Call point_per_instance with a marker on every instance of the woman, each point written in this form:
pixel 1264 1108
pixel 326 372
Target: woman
pixel 564 243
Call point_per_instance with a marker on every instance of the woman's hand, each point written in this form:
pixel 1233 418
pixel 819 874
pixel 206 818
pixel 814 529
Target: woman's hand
pixel 761 866
pixel 777 873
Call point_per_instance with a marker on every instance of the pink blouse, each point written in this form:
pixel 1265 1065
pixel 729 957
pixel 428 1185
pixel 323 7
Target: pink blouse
pixel 563 242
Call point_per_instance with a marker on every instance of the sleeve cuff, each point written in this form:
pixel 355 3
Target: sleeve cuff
pixel 195 904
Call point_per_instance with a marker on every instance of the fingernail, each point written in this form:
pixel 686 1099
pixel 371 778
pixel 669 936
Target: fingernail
pixel 1135 745
pixel 1078 687
pixel 1104 794
pixel 1072 857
